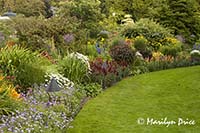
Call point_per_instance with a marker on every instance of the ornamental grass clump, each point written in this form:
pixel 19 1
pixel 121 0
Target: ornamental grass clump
pixel 75 67
pixel 26 66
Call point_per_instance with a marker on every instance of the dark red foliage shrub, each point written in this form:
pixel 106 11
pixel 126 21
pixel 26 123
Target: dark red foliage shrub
pixel 108 71
pixel 122 53
pixel 101 67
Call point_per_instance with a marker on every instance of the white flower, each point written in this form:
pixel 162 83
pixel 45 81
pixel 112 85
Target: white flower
pixel 81 57
pixel 138 54
pixel 62 81
pixel 195 52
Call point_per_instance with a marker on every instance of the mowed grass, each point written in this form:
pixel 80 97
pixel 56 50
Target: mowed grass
pixel 170 94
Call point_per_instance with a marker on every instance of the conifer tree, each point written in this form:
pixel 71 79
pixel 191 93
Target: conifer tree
pixel 183 16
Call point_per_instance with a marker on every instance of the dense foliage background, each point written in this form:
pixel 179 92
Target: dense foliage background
pixel 55 54
pixel 92 16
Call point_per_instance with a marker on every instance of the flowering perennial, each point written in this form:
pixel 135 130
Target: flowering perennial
pixel 81 57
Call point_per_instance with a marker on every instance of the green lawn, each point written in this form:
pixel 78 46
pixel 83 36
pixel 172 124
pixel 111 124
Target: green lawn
pixel 171 93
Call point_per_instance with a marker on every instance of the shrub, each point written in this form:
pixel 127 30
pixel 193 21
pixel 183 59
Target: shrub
pixel 171 46
pixel 87 12
pixel 167 62
pixel 170 50
pixel 188 24
pixel 91 51
pixel 27 8
pixel 151 30
pixel 74 66
pixel 92 89
pixel 170 41
pixel 24 65
pixel 5 32
pixel 121 52
pixel 140 43
pixel 45 34
pixel 108 72
pixel 118 41
pixel 139 67
pixel 30 8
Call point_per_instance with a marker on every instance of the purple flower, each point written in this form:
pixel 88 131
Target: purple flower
pixel 68 38
pixel 98 50
pixel 194 47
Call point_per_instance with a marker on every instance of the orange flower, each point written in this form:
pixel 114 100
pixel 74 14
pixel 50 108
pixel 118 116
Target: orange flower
pixel 10 44
pixel 14 94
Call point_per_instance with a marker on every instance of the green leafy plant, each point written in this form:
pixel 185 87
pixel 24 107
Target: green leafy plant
pixel 92 89
pixel 140 43
pixel 168 62
pixel 46 34
pixel 87 12
pixel 170 50
pixel 139 66
pixel 188 24
pixel 26 66
pixel 118 41
pixel 73 68
pixel 6 32
pixel 9 98
pixel 152 31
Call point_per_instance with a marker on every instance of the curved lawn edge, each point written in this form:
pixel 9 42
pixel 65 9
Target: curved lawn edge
pixel 170 94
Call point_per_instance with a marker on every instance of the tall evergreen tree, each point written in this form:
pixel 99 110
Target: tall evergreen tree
pixel 183 16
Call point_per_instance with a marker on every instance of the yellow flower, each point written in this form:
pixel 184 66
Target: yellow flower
pixel 1 78
pixel 14 94
pixel 89 43
pixel 157 55
pixel 140 37
pixel 171 40
pixel 102 39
